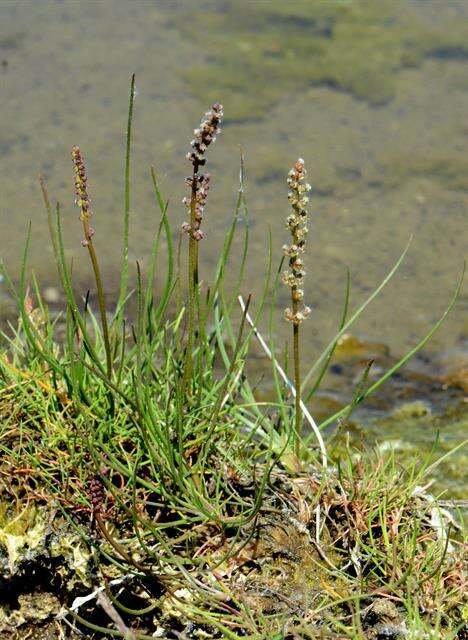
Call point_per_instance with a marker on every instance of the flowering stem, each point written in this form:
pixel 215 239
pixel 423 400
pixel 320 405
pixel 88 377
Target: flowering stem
pixel 101 299
pixel 84 203
pixel 199 185
pixel 297 378
pixel 294 278
pixel 192 283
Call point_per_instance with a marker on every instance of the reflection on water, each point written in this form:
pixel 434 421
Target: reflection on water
pixel 372 95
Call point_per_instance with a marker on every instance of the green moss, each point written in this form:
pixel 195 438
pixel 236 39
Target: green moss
pixel 259 53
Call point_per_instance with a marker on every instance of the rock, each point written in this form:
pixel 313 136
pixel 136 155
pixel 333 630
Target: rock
pixel 51 295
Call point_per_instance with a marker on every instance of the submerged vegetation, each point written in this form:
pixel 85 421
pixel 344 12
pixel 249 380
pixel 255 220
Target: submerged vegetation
pixel 285 47
pixel 147 490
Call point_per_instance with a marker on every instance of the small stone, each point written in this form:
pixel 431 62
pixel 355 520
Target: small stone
pixel 421 198
pixel 51 295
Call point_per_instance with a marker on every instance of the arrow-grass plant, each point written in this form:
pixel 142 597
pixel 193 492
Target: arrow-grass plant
pixel 148 434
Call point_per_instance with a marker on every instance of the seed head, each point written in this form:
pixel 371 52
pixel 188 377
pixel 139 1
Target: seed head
pixel 82 199
pixel 297 225
pixel 199 183
pixel 96 493
pixel 205 135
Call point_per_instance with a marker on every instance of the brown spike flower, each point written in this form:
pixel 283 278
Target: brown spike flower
pixel 199 186
pixel 205 135
pixel 81 184
pixel 82 199
pixel 297 225
pixel 199 183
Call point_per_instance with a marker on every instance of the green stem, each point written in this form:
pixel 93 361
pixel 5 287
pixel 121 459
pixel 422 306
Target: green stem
pixel 100 294
pixel 128 146
pixel 297 375
pixel 192 285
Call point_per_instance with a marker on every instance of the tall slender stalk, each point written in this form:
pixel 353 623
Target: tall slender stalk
pixel 297 381
pixel 84 204
pixel 192 282
pixel 199 184
pixel 297 224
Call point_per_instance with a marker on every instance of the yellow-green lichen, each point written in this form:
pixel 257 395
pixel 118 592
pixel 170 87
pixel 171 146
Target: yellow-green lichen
pixel 70 547
pixel 20 532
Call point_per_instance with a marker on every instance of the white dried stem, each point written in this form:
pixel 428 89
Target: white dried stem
pixel 288 382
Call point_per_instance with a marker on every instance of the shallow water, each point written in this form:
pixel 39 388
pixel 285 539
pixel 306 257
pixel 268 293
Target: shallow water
pixel 383 133
pixel 380 173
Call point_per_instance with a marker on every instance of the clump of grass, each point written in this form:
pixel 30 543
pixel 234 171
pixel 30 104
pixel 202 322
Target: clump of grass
pixel 149 441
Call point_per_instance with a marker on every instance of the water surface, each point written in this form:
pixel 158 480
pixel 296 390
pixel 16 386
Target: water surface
pixel 373 96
